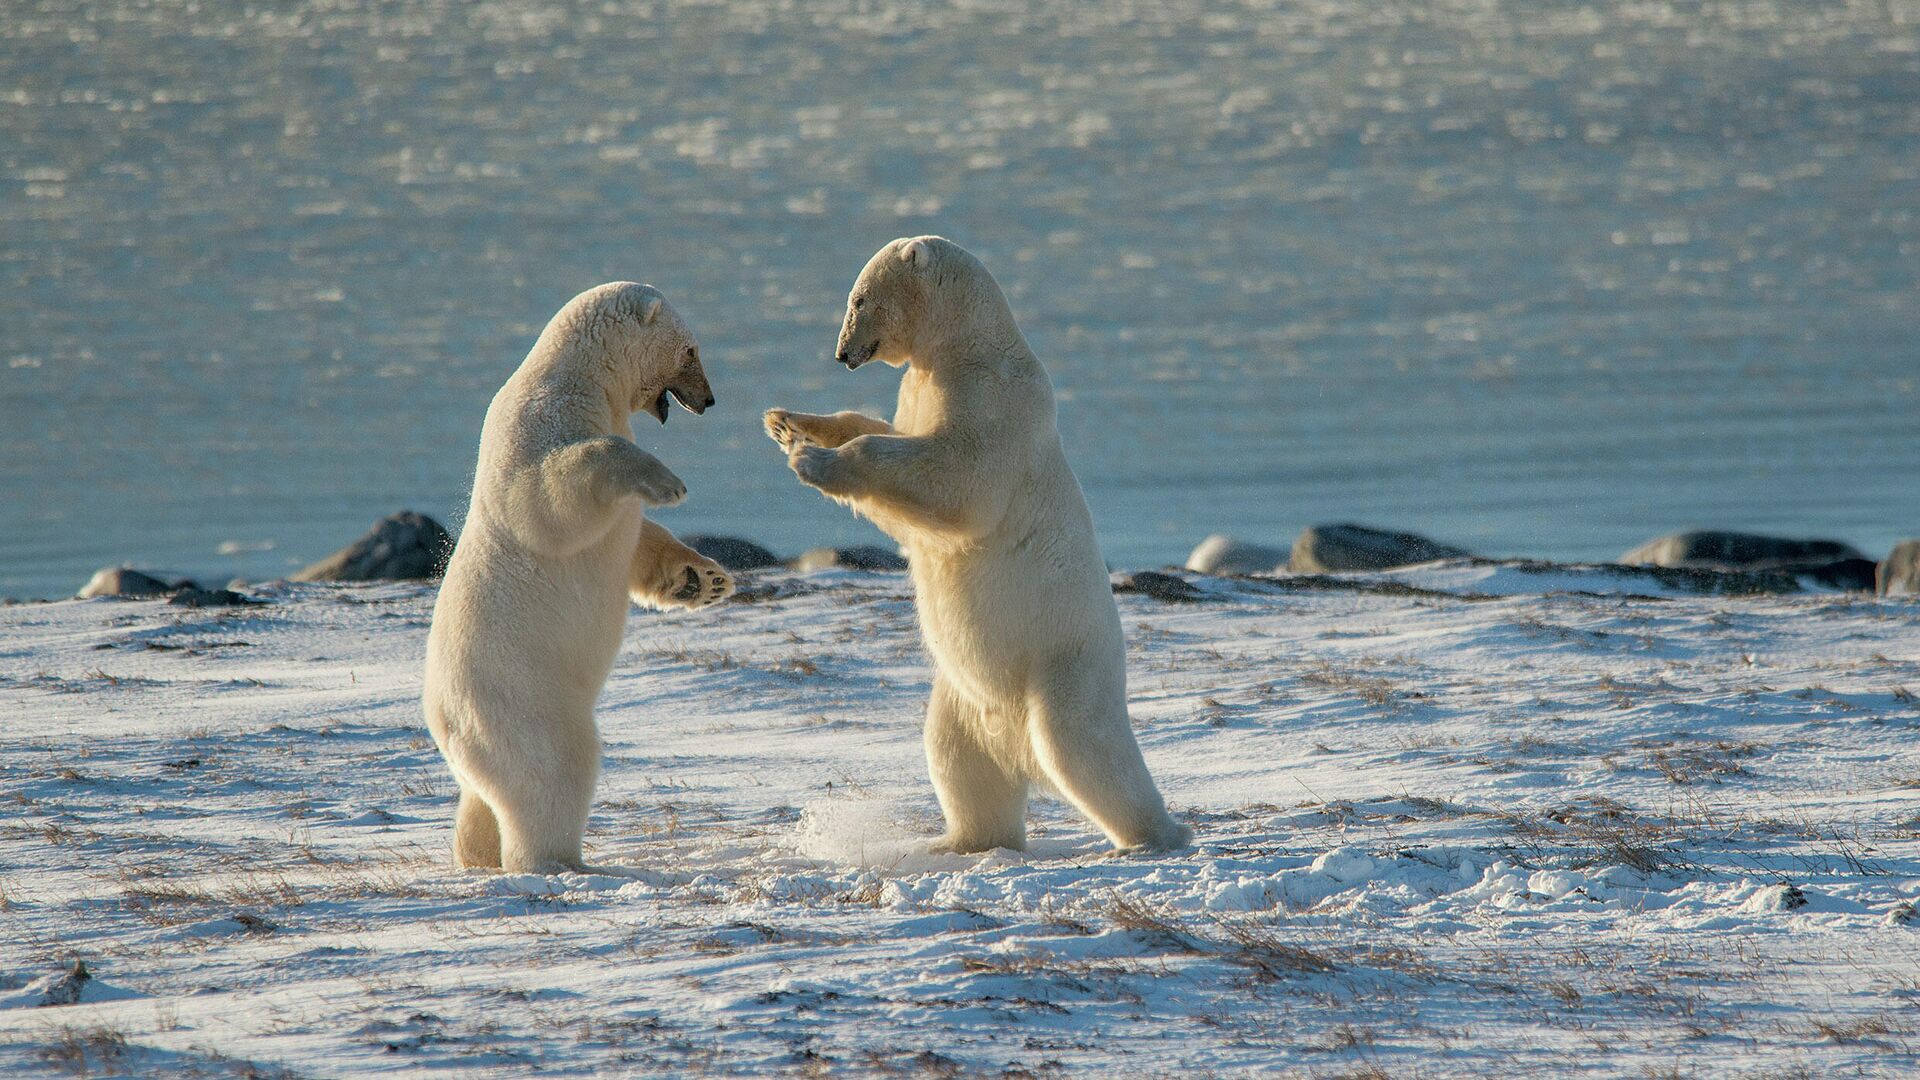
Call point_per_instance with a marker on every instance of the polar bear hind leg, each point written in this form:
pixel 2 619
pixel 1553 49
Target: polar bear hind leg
pixel 542 811
pixel 476 834
pixel 523 807
pixel 1083 745
pixel 985 803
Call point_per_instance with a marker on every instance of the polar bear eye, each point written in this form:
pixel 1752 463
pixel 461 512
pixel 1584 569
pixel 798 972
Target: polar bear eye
pixel 857 301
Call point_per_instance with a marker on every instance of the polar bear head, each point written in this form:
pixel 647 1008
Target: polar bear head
pixel 917 297
pixel 632 344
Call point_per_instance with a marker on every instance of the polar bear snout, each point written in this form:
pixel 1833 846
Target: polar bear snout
pixel 693 403
pixel 854 356
pixel 688 387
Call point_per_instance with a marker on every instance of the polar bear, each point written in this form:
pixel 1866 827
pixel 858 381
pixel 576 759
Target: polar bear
pixel 556 539
pixel 1030 679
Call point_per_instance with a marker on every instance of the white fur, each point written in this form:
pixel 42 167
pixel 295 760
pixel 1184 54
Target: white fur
pixel 529 616
pixel 1030 677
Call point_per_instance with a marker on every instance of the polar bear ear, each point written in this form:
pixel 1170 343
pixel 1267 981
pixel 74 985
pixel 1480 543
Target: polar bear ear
pixel 916 254
pixel 650 310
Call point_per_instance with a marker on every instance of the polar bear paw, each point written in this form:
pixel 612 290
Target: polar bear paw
pixel 784 428
pixel 814 465
pixel 660 487
pixel 697 585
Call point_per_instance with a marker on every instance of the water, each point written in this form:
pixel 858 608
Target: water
pixel 1531 278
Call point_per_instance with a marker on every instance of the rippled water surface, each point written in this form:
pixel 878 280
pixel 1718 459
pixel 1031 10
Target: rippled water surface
pixel 1532 278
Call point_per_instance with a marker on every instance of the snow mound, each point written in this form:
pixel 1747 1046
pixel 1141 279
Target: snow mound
pixel 74 986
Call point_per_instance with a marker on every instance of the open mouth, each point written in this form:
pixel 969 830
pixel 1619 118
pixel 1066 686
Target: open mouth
pixel 687 403
pixel 689 400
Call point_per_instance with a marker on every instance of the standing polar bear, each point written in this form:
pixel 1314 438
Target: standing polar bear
pixel 556 539
pixel 1030 679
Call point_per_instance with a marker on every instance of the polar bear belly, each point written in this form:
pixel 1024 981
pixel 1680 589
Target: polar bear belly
pixel 994 624
pixel 533 628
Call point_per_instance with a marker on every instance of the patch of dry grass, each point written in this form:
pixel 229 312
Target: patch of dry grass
pixel 1855 1032
pixel 1374 691
pixel 82 1051
pixel 1244 942
pixel 1684 763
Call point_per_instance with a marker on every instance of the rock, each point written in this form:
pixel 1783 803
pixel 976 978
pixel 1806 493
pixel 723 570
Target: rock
pixel 1715 550
pixel 733 553
pixel 1222 555
pixel 1900 574
pixel 404 546
pixel 1717 582
pixel 193 596
pixel 1167 587
pixel 181 592
pixel 124 581
pixel 858 557
pixel 1853 575
pixel 1824 562
pixel 1324 548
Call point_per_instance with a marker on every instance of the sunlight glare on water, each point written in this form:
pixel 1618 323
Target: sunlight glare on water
pixel 1531 278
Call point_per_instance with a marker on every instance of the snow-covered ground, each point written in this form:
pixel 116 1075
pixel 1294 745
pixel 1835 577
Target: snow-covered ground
pixel 1447 825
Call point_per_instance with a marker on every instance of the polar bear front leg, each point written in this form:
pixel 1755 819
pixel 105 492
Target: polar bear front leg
pixel 1084 744
pixel 569 498
pixel 667 573
pixel 613 468
pixel 791 429
pixel 921 482
pixel 985 805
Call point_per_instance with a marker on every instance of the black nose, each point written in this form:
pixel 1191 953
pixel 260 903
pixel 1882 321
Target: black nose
pixel 709 403
pixel 841 357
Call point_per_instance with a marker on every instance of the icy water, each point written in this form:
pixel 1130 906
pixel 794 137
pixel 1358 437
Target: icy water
pixel 1532 278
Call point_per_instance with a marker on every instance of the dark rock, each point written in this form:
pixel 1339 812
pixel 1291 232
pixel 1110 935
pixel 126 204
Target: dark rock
pixel 1167 587
pixel 123 581
pixel 732 552
pixel 401 547
pixel 1715 550
pixel 858 557
pixel 1853 575
pixel 1900 574
pixel 197 597
pixel 1223 555
pixel 1324 548
pixel 1708 582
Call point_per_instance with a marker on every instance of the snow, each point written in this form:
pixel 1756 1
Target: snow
pixel 1446 826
